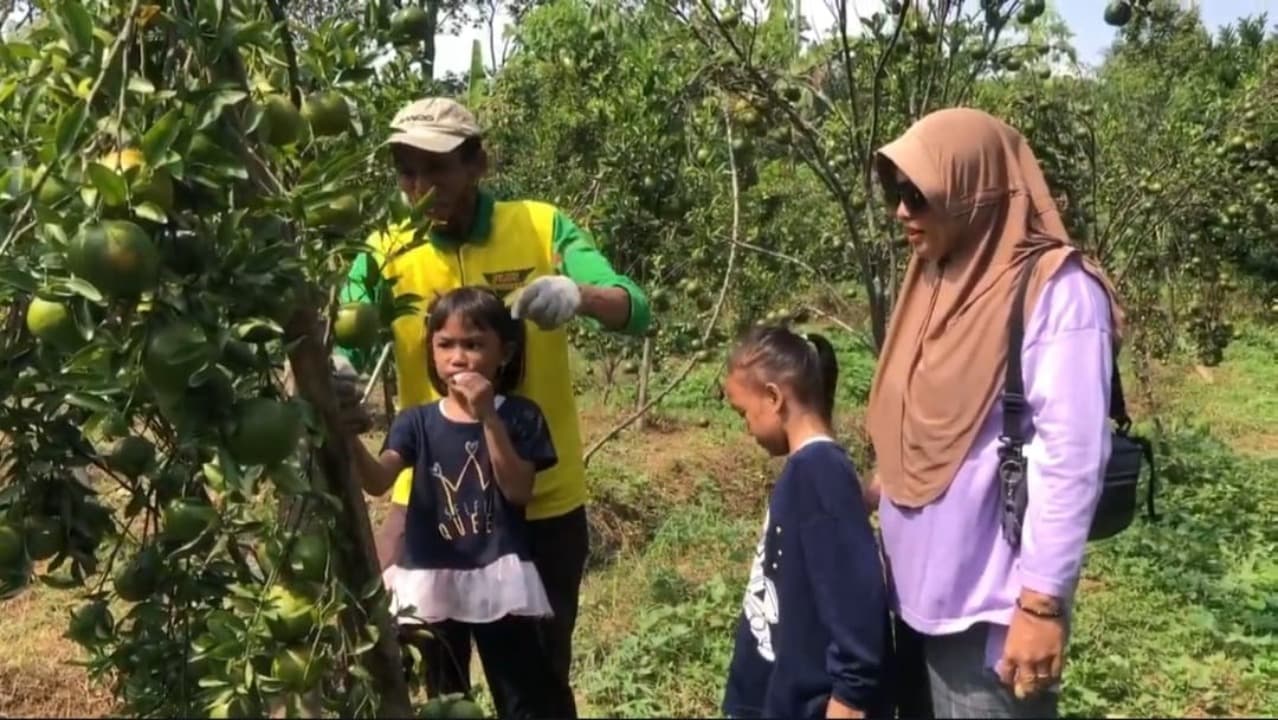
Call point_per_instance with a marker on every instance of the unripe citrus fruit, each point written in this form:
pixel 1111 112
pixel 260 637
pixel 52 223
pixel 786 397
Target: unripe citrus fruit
pixel 356 325
pixel 158 189
pixel 310 557
pixel 294 668
pixel 91 624
pixel 52 323
pixel 116 256
pixel 292 616
pixel 45 537
pixel 264 432
pixel 186 519
pixel 340 215
pixel 138 580
pixel 281 121
pixel 173 353
pixel 131 456
pixel 327 113
pixel 410 24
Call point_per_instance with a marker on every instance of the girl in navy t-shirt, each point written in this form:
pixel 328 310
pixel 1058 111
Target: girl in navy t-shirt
pixel 457 557
pixel 812 638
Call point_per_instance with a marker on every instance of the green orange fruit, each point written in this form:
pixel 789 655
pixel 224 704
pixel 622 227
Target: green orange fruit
pixel 117 256
pixel 356 325
pixel 264 431
pixel 45 537
pixel 185 520
pixel 292 616
pixel 173 353
pixel 281 122
pixel 327 113
pixel 295 668
pixel 410 24
pixel 131 456
pixel 53 323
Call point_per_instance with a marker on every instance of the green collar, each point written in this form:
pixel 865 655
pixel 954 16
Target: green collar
pixel 480 228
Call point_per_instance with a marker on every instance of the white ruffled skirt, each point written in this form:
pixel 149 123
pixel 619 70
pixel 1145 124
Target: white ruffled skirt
pixel 507 586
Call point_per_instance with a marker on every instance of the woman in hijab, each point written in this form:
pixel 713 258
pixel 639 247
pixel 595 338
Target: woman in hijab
pixel 992 620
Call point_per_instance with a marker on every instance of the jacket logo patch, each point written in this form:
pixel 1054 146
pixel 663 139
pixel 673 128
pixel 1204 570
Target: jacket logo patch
pixel 507 280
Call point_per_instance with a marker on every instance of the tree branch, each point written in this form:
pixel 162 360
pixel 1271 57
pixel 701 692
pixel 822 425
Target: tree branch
pixel 290 54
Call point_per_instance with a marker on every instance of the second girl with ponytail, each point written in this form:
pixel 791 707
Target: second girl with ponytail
pixel 816 569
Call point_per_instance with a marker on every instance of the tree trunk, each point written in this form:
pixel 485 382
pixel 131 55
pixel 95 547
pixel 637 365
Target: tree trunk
pixel 309 365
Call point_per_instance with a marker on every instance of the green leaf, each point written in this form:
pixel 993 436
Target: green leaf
pixel 213 476
pixel 60 582
pixel 77 23
pixel 89 402
pixel 13 277
pixel 140 85
pixel 83 288
pixel 151 211
pixel 69 127
pixel 157 141
pixel 113 188
pixel 213 106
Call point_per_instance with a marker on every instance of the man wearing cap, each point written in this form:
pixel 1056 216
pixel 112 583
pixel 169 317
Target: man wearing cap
pixel 529 246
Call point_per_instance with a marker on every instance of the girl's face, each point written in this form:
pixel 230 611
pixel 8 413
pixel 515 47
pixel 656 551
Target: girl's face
pixel 458 346
pixel 922 224
pixel 762 407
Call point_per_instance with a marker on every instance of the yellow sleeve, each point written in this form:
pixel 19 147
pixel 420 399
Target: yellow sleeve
pixel 403 487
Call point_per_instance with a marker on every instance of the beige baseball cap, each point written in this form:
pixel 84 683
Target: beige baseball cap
pixel 435 124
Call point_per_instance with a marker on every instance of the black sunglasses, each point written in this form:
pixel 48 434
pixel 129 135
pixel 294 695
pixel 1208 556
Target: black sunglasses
pixel 909 193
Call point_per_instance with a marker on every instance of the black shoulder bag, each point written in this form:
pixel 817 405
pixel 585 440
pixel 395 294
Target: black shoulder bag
pixel 1118 500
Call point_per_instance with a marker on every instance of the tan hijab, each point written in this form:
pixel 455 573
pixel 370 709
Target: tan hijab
pixel 942 365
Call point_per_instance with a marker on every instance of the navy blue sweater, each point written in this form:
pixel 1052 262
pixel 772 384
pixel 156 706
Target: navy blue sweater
pixel 815 620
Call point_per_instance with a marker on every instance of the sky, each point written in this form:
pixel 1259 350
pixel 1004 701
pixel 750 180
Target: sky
pixel 1084 17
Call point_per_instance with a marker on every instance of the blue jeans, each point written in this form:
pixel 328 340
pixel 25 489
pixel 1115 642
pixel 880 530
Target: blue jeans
pixel 963 686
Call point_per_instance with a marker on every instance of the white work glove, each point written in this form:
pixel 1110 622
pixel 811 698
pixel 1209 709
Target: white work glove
pixel 549 301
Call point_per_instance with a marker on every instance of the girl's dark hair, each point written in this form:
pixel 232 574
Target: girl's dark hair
pixel 805 364
pixel 482 309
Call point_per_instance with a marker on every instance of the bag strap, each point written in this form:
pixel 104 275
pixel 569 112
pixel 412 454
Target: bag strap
pixel 1015 405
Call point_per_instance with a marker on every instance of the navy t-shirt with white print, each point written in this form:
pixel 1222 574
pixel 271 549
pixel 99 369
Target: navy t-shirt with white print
pixel 457 517
pixel 815 619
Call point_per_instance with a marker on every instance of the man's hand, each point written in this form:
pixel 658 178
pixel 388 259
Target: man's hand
pixel 1034 653
pixel 549 301
pixel 349 390
pixel 476 392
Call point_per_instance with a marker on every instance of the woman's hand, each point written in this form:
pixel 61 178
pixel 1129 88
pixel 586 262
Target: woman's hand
pixel 870 493
pixel 1034 653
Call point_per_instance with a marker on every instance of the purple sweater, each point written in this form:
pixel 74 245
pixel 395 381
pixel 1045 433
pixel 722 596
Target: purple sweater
pixel 949 564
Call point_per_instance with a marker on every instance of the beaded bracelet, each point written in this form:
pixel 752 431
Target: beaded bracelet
pixel 1039 613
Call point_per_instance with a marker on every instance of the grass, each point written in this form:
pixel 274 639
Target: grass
pixel 1176 618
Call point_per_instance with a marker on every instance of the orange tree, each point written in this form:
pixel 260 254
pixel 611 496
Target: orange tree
pixel 609 110
pixel 182 184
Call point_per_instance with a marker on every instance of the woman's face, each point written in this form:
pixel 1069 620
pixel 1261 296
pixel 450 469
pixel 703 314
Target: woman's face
pixel 923 227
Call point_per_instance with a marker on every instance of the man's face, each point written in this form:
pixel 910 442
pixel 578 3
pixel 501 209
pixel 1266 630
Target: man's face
pixel 449 179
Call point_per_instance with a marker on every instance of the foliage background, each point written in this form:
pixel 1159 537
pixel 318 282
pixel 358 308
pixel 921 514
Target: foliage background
pixel 724 165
